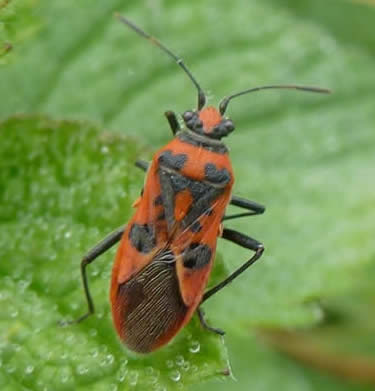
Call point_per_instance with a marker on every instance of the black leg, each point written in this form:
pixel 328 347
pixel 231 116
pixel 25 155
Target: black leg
pixel 238 215
pixel 173 122
pixel 252 206
pixel 243 241
pixel 142 164
pixel 99 249
pixel 248 205
pixel 205 325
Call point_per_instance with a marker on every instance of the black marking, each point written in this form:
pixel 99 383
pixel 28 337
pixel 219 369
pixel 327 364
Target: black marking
pixel 168 196
pixel 158 200
pixel 225 127
pixel 209 145
pixel 188 115
pixel 204 194
pixel 193 122
pixel 196 227
pixel 142 237
pixel 196 256
pixel 149 306
pixel 213 175
pixel 179 182
pixel 161 216
pixel 175 162
pixel 209 211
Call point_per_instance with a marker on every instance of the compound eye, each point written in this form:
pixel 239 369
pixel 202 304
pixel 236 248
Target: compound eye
pixel 188 115
pixel 229 125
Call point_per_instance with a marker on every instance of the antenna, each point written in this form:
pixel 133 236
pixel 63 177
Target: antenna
pixel 224 103
pixel 154 41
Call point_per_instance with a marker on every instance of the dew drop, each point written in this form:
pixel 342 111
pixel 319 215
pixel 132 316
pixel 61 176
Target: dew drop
pixel 186 366
pixel 180 360
pixel 107 360
pixel 99 315
pixel 175 375
pixel 64 377
pixel 82 369
pixel 67 234
pixel 133 378
pixel 65 374
pixel 169 364
pixel 14 314
pixel 104 149
pixel 70 339
pixel 29 369
pixel 64 355
pixel 121 374
pixel 124 363
pixel 23 284
pixel 153 375
pixel 195 347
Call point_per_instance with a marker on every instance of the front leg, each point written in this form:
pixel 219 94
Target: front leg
pixel 173 122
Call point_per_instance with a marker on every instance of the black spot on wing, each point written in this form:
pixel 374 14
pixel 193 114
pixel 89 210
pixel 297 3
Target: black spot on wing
pixel 167 195
pixel 158 200
pixel 213 175
pixel 142 237
pixel 196 256
pixel 198 189
pixel 161 216
pixel 179 182
pixel 196 227
pixel 203 194
pixel 175 162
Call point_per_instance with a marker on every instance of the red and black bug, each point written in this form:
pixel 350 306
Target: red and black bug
pixel 167 249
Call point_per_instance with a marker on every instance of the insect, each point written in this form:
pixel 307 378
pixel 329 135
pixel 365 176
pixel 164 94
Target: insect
pixel 167 249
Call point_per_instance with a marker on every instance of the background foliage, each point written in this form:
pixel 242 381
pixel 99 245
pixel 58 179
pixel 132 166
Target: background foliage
pixel 82 97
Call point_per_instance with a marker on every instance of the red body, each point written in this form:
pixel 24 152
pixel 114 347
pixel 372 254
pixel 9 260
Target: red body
pixel 167 250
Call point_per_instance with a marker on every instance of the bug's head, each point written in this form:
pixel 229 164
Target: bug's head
pixel 208 122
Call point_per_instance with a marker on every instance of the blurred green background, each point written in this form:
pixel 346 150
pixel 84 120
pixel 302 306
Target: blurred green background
pixel 82 97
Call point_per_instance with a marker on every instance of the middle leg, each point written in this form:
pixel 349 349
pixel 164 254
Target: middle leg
pixel 243 241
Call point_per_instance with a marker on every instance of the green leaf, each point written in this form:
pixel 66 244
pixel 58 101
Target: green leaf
pixel 65 185
pixel 308 158
pixel 17 25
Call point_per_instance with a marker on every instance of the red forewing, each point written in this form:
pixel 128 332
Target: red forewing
pixel 166 253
